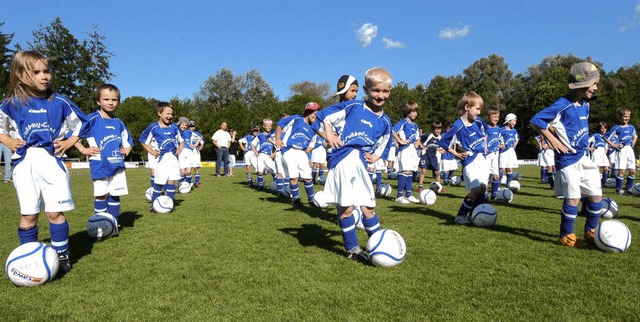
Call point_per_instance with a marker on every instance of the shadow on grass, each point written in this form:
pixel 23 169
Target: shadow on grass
pixel 312 235
pixel 326 214
pixel 128 218
pixel 447 219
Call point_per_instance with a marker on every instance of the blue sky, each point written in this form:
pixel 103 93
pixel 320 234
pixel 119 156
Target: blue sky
pixel 166 49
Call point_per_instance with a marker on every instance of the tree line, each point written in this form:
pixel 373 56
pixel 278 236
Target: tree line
pixel 80 64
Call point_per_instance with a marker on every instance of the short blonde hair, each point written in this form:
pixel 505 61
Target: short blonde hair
pixel 470 98
pixel 377 75
pixel 267 121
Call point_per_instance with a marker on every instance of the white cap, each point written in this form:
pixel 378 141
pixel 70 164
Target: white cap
pixel 510 117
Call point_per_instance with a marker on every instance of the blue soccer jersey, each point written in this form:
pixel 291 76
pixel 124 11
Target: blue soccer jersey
pixel 470 137
pixel 264 142
pixel 406 130
pixel 508 137
pixel 168 138
pixel 40 122
pixel 359 128
pixel 493 137
pixel 194 141
pixel 431 142
pixel 597 141
pixel 297 133
pixel 625 134
pixel 109 135
pixel 571 124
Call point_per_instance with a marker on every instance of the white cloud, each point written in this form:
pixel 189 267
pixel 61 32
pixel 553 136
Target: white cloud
pixel 367 33
pixel 636 11
pixel 632 22
pixel 390 43
pixel 453 33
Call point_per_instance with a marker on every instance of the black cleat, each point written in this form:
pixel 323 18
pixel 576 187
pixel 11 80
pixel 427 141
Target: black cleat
pixel 359 257
pixel 297 203
pixel 64 264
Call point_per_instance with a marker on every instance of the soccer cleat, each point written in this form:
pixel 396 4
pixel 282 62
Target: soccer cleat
pixel 590 236
pixel 297 203
pixel 197 185
pixel 402 200
pixel 571 240
pixel 64 263
pixel 462 220
pixel 359 257
pixel 413 199
pixel 152 210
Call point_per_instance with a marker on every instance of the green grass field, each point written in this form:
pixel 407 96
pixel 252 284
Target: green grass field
pixel 228 252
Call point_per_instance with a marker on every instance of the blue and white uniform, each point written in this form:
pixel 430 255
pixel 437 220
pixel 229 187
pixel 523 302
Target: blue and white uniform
pixel 599 153
pixel 168 139
pixel 472 139
pixel 576 175
pixel 493 150
pixel 408 158
pixel 626 134
pixel 296 140
pixel 264 143
pixel 193 144
pixel 184 159
pixel 508 158
pixel 431 158
pixel 319 152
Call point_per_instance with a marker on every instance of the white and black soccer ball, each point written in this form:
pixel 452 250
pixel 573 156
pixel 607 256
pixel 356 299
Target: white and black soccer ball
pixel 386 248
pixel 31 264
pixel 609 208
pixel 514 185
pixel 385 190
pixel 610 183
pixel 517 175
pixel 321 179
pixel 320 199
pixel 484 215
pixel 455 181
pixel 436 187
pixel 149 194
pixel 428 197
pixel 102 225
pixel 635 189
pixel 184 187
pixel 613 236
pixel 273 186
pixel 163 204
pixel 504 195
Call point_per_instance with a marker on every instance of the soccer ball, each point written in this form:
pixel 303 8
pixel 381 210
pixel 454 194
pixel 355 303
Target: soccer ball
pixel 385 190
pixel 184 187
pixel 357 216
pixel 101 225
pixel 273 186
pixel 320 200
pixel 609 208
pixel 504 195
pixel 31 264
pixel 517 175
pixel 484 215
pixel 149 194
pixel 514 185
pixel 610 183
pixel 163 204
pixel 386 248
pixel 321 180
pixel 436 187
pixel 428 197
pixel 613 236
pixel 455 181
pixel 635 190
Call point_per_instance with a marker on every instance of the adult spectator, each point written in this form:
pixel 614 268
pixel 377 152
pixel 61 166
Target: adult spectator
pixel 5 154
pixel 222 140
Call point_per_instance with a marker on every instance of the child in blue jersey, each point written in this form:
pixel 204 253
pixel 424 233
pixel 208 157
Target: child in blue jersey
pixel 625 156
pixel 492 131
pixel 430 159
pixel 448 162
pixel 265 151
pixel 318 157
pixel 405 133
pixel 364 131
pixel 509 138
pixel 546 161
pixel 170 144
pixel 250 154
pixel 39 120
pixel 109 143
pixel 184 159
pixel 468 132
pixel 195 145
pixel 293 138
pixel 565 125
pixel 599 149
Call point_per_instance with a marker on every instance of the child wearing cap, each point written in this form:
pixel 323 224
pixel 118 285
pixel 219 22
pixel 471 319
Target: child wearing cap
pixel 565 126
pixel 195 143
pixel 364 132
pixel 184 159
pixel 509 139
pixel 625 157
pixel 293 138
pixel 347 88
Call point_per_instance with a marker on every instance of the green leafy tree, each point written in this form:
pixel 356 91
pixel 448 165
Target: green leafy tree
pixel 491 78
pixel 441 97
pixel 321 90
pixel 93 69
pixel 5 61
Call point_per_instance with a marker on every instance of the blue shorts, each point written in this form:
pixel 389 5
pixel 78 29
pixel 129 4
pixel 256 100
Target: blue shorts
pixel 429 162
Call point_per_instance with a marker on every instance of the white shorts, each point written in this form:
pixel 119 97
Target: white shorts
pixel 492 161
pixel 626 158
pixel 408 159
pixel 296 164
pixel 508 159
pixel 476 173
pixel 184 158
pixel 447 165
pixel 378 165
pixel 612 157
pixel 116 185
pixel 265 164
pixel 319 155
pixel 153 161
pixel 348 184
pixel 599 157
pixel 581 179
pixel 167 169
pixel 196 158
pixel 251 159
pixel 392 154
pixel 41 177
pixel 279 164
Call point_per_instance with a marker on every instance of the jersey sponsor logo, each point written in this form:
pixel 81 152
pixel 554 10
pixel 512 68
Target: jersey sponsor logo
pixel 366 122
pixel 40 111
pixel 61 202
pixel 110 127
